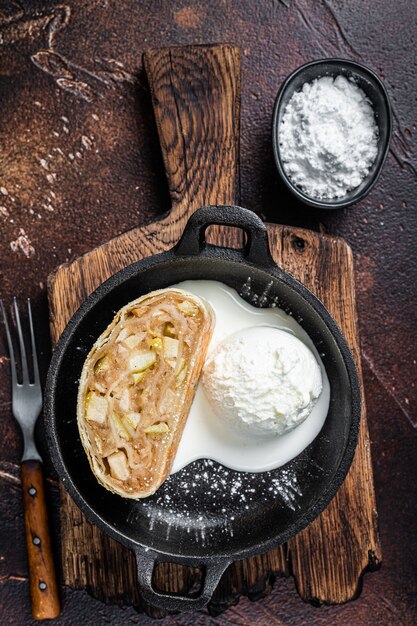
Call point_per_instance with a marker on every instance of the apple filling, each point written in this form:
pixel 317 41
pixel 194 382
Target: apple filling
pixel 136 388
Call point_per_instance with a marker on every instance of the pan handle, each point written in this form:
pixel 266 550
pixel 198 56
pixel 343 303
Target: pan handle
pixel 146 562
pixel 193 240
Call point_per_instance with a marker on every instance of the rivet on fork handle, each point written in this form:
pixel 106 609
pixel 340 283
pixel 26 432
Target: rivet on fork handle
pixel 43 586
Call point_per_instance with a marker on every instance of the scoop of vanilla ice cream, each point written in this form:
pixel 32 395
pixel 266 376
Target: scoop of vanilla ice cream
pixel 262 380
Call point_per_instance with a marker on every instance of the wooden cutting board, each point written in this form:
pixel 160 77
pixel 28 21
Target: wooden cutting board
pixel 196 99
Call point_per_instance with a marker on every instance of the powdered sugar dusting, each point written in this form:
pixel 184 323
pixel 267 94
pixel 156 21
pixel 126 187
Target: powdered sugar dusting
pixel 23 244
pixel 205 499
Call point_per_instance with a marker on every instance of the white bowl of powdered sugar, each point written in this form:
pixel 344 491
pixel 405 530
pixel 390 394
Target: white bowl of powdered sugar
pixel 331 132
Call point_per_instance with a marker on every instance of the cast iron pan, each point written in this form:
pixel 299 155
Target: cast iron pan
pixel 246 514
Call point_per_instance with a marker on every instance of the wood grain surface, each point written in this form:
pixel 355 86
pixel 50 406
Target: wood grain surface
pixel 43 582
pixel 195 92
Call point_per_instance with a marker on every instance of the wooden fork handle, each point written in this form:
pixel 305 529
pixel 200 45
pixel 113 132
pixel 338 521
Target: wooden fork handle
pixel 42 577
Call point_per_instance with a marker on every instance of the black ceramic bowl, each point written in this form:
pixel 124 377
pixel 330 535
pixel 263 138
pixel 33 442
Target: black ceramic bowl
pixel 367 80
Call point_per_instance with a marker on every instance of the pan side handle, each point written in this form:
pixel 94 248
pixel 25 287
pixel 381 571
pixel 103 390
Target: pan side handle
pixel 196 100
pixel 146 562
pixel 256 250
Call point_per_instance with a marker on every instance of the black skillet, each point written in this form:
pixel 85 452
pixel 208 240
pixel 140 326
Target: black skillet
pixel 203 526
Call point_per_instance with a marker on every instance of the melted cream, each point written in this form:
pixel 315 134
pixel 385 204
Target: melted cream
pixel 207 436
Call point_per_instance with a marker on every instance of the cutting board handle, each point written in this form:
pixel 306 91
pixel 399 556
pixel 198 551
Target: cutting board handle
pixel 196 100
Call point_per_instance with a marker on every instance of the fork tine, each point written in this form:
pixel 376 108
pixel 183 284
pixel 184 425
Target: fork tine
pixel 10 346
pixel 25 372
pixel 32 339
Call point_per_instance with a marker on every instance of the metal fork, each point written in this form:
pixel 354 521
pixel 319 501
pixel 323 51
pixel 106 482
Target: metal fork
pixel 26 407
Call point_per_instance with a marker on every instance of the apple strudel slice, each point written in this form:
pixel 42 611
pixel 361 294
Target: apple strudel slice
pixel 137 386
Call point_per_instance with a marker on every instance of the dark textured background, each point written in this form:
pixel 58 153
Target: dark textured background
pixel 80 163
